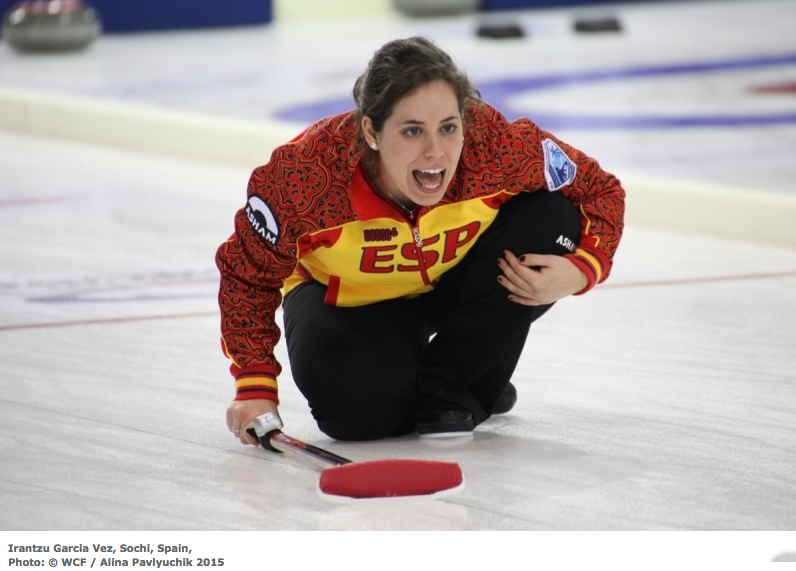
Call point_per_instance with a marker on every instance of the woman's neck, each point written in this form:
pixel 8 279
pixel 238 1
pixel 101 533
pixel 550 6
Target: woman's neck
pixel 372 174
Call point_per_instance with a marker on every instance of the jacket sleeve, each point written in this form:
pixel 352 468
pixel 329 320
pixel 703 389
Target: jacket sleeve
pixel 253 264
pixel 538 161
pixel 600 199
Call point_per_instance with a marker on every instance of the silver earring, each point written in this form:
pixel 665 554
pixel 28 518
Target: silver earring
pixel 374 146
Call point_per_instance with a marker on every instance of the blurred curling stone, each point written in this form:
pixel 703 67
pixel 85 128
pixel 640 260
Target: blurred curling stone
pixel 51 25
pixel 499 30
pixel 435 7
pixel 597 24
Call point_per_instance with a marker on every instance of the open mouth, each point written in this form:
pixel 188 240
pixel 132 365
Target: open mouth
pixel 430 179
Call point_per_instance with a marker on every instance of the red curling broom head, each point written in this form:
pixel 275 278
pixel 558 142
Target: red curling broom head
pixel 391 478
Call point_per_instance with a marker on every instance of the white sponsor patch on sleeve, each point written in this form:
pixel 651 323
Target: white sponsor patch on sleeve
pixel 559 169
pixel 262 220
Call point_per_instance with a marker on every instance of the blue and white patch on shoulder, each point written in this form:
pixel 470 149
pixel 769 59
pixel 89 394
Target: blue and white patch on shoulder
pixel 559 169
pixel 262 220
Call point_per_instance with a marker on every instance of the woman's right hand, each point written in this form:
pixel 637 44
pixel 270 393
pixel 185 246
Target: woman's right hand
pixel 241 415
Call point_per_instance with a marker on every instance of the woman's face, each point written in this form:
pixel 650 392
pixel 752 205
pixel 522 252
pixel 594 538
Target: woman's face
pixel 419 145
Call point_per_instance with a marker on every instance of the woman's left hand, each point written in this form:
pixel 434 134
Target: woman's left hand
pixel 537 279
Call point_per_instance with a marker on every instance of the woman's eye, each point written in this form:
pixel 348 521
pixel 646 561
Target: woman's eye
pixel 412 131
pixel 449 129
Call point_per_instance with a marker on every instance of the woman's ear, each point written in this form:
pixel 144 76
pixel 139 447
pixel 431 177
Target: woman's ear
pixel 369 132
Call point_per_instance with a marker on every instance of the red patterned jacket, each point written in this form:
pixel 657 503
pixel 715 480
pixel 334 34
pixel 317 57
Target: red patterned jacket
pixel 312 215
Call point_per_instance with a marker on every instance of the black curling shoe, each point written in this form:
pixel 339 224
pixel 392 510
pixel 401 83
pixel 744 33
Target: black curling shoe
pixel 443 421
pixel 506 401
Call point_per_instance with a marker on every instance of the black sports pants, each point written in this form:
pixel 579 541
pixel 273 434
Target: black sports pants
pixel 363 370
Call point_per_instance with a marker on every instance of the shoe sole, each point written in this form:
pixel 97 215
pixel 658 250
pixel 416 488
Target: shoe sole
pixel 450 434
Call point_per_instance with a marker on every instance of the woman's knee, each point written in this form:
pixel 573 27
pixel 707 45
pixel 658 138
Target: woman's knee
pixel 346 431
pixel 539 223
pixel 368 422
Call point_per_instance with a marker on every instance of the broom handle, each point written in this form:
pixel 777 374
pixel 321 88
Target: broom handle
pixel 268 431
pixel 314 455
